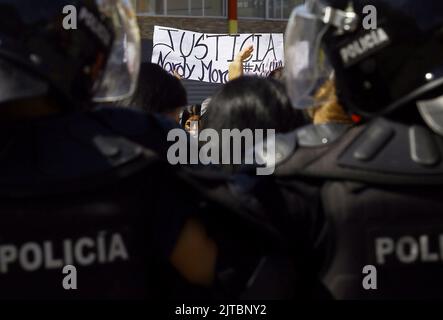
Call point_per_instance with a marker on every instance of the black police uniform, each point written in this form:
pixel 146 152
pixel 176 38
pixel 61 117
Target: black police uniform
pixel 72 188
pixel 377 190
pixel 93 190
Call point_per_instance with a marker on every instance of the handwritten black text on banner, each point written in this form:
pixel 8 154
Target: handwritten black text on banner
pixel 206 57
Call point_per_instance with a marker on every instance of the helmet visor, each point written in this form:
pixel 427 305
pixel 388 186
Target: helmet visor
pixel 307 68
pixel 120 76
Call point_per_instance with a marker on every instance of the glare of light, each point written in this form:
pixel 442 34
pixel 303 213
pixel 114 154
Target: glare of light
pixel 429 76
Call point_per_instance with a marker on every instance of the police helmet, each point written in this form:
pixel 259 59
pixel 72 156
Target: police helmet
pixel 383 54
pixel 77 50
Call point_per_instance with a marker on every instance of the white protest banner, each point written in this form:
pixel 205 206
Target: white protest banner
pixel 206 57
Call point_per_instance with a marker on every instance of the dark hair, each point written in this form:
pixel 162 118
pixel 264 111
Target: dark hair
pixel 194 110
pixel 253 103
pixel 277 74
pixel 157 91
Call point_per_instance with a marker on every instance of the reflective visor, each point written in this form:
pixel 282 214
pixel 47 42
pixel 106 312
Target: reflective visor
pixel 307 68
pixel 120 76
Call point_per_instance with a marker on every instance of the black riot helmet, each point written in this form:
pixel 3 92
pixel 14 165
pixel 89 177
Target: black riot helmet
pixel 379 66
pixel 76 50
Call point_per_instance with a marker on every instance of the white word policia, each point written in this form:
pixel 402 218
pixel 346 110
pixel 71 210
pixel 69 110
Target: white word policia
pixel 84 251
pixel 232 147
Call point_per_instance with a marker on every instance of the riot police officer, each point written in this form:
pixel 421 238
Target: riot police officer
pixel 379 183
pixel 89 206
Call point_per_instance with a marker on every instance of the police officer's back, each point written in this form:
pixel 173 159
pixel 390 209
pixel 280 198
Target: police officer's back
pixel 91 190
pixel 80 188
pixel 379 183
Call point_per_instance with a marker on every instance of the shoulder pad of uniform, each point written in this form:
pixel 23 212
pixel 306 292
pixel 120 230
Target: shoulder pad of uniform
pixel 131 122
pixel 77 147
pixel 123 120
pixel 284 146
pixel 392 147
pixel 148 130
pixel 318 135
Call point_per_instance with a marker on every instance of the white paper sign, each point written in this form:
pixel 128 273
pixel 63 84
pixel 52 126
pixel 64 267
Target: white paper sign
pixel 206 57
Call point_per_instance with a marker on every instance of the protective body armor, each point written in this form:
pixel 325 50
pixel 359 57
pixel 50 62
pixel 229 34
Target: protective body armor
pixel 381 191
pixel 87 190
pixel 79 190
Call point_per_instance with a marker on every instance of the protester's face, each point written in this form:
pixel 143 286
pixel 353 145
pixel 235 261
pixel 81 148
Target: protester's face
pixel 189 122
